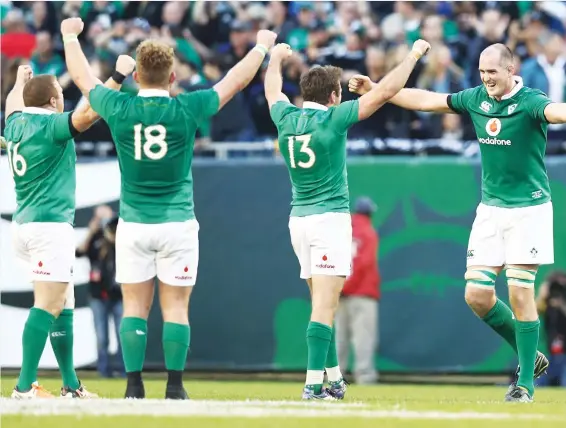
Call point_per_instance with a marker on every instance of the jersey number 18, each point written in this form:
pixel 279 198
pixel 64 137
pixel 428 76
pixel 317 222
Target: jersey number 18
pixel 305 140
pixel 154 135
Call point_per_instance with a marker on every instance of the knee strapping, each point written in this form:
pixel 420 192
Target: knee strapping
pixel 480 278
pixel 524 278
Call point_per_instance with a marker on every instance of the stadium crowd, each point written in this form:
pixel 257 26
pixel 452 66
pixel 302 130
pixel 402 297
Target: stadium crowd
pixel 361 37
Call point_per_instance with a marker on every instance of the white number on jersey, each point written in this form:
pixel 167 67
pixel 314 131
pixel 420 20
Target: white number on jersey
pixel 305 140
pixel 154 136
pixel 17 163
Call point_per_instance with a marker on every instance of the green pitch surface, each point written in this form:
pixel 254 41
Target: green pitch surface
pixel 277 404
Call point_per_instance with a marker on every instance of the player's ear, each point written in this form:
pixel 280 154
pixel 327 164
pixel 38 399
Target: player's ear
pixel 172 77
pixel 53 102
pixel 136 77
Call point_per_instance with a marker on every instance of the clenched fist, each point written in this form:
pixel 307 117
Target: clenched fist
pixel 281 51
pixel 420 48
pixel 125 65
pixel 72 26
pixel 360 84
pixel 24 74
pixel 266 38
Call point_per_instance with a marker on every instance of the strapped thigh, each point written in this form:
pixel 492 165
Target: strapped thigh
pixel 480 278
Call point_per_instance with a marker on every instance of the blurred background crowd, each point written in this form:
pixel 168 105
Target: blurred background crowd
pixel 359 36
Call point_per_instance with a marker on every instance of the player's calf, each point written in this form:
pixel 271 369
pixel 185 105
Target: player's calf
pixel 521 280
pixel 137 300
pixel 325 295
pixel 49 301
pixel 480 296
pixel 176 336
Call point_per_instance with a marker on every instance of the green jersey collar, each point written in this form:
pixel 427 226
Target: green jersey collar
pixel 37 110
pixel 153 93
pixel 313 105
pixel 519 84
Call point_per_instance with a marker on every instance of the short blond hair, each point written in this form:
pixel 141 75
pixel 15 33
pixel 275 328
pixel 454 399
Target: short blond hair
pixel 154 62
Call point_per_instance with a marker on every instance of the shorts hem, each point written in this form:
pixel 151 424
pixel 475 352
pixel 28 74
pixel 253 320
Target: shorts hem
pixel 120 281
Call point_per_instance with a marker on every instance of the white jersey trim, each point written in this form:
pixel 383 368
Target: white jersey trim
pixel 153 93
pixel 37 110
pixel 313 105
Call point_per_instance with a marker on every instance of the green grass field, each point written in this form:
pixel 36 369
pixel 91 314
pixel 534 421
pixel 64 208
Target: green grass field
pixel 277 404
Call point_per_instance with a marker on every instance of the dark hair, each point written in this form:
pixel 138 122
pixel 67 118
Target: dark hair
pixel 39 90
pixel 318 83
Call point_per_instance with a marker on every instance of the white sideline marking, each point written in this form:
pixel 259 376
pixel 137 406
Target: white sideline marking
pixel 215 408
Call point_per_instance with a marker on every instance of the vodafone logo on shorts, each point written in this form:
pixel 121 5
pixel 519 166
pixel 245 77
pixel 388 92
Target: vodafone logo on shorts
pixel 184 277
pixel 325 265
pixel 40 271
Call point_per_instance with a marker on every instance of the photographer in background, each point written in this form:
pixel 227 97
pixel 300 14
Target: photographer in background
pixel 105 293
pixel 551 304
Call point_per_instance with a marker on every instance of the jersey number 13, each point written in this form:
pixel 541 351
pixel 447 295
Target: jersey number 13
pixel 304 140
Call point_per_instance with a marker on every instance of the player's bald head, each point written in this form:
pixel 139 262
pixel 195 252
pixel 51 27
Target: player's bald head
pixel 499 51
pixel 154 63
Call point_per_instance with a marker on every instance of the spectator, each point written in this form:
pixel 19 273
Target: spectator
pixel 44 60
pixel 551 304
pixel 357 315
pixel 105 293
pixel 16 41
pixel 547 71
pixel 277 18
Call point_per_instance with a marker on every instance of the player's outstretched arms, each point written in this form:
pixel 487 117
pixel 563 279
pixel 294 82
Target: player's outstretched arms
pixel 77 64
pixel 273 79
pixel 408 98
pixel 555 113
pixel 15 99
pixel 242 73
pixel 392 83
pixel 84 116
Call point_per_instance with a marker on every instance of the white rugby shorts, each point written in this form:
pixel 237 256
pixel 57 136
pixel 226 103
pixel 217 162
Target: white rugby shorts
pixel 47 251
pixel 322 243
pixel 168 250
pixel 506 236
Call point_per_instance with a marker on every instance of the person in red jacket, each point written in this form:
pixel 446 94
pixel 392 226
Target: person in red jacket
pixel 357 316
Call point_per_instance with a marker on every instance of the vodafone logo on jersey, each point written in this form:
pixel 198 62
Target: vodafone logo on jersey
pixel 493 128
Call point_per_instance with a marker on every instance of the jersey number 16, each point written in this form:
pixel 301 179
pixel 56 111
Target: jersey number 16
pixel 154 135
pixel 17 163
pixel 305 140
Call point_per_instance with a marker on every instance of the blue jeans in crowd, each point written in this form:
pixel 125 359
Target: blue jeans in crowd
pixel 102 310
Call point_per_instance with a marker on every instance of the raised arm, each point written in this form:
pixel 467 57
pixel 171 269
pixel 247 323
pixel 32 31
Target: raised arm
pixel 15 99
pixel 77 64
pixel 408 98
pixel 392 83
pixel 555 113
pixel 84 116
pixel 242 73
pixel 273 79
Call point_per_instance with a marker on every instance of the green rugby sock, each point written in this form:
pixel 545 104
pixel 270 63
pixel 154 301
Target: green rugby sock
pixel 61 336
pixel 500 319
pixel 318 341
pixel 133 337
pixel 176 341
pixel 527 343
pixel 34 339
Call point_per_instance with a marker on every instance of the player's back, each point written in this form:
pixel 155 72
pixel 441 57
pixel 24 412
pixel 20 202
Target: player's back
pixel 154 136
pixel 312 140
pixel 41 156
